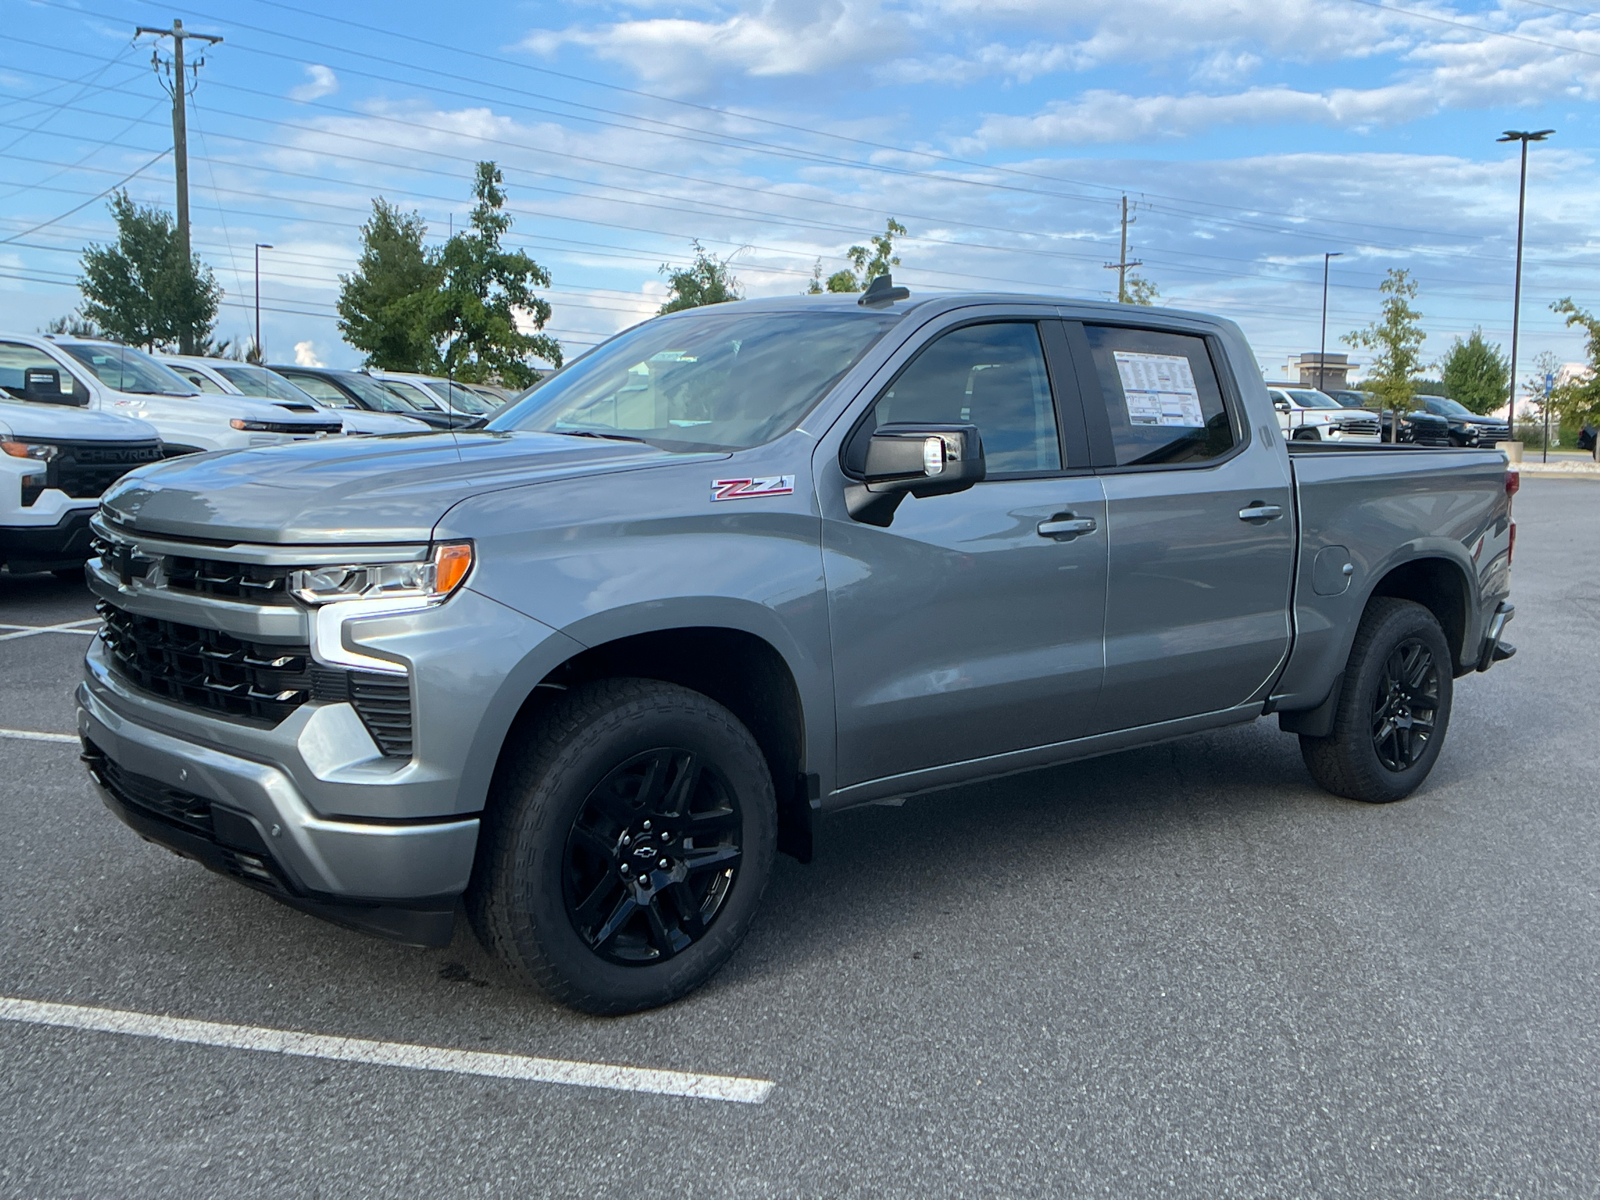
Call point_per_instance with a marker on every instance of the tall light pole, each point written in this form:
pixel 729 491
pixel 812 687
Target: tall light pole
pixel 260 246
pixel 1322 354
pixel 1515 135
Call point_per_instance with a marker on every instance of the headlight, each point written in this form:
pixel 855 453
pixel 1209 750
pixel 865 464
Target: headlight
pixel 432 580
pixel 252 426
pixel 33 450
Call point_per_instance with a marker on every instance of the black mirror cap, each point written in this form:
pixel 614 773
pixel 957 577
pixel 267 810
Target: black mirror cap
pixel 42 385
pixel 914 460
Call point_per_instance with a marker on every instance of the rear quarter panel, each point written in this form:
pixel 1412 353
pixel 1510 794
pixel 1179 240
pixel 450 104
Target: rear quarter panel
pixel 1386 507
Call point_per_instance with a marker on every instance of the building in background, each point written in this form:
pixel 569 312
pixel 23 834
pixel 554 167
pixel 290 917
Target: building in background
pixel 1335 370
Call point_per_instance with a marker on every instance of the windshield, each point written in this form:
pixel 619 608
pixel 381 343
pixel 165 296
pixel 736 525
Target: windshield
pixel 1311 398
pixel 376 394
pixel 1354 399
pixel 1449 408
pixel 258 381
pixel 414 394
pixel 724 381
pixel 459 398
pixel 124 369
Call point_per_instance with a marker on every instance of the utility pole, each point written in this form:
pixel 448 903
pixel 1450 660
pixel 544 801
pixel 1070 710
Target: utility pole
pixel 179 90
pixel 1514 135
pixel 1122 265
pixel 1322 354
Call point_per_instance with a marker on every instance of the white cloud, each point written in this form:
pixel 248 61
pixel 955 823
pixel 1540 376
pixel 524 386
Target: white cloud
pixel 320 82
pixel 778 38
pixel 305 355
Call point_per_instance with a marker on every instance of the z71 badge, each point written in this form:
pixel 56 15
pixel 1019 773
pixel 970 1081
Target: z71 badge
pixel 749 489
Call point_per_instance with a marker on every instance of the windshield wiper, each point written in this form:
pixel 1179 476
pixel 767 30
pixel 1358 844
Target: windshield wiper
pixel 610 437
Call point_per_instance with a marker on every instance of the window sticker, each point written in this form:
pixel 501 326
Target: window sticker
pixel 1159 389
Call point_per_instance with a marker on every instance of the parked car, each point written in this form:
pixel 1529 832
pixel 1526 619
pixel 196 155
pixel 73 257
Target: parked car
pixel 1418 427
pixel 1587 439
pixel 746 565
pixel 106 377
pixel 444 395
pixel 1467 428
pixel 1306 414
pixel 55 461
pixel 226 377
pixel 356 390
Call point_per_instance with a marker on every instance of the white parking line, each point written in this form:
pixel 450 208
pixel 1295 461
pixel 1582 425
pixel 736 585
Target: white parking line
pixel 22 631
pixel 33 735
pixel 387 1054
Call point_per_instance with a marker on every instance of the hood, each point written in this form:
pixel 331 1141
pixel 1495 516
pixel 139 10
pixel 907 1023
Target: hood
pixel 61 422
pixel 250 408
pixel 355 490
pixel 359 421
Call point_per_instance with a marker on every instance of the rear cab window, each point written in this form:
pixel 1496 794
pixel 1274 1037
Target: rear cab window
pixel 16 360
pixel 1161 403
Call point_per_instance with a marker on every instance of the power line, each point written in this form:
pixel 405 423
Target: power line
pixel 89 201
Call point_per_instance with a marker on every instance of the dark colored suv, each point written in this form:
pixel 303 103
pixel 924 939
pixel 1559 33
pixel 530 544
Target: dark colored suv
pixel 1417 428
pixel 1467 428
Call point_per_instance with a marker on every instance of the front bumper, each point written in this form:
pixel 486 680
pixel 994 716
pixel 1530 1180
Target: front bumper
pixel 47 547
pixel 248 820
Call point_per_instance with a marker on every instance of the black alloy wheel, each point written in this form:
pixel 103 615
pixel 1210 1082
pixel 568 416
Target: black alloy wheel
pixel 1405 706
pixel 652 856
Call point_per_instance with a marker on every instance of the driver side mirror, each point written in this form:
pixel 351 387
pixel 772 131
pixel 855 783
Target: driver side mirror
pixel 914 460
pixel 1281 405
pixel 42 385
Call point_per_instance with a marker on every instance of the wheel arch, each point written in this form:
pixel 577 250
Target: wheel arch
pixel 739 669
pixel 1444 588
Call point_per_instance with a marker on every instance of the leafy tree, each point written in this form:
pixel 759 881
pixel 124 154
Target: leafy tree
pixel 705 281
pixel 1578 400
pixel 1141 291
pixel 1396 337
pixel 1475 373
pixel 473 315
pixel 142 290
pixel 385 305
pixel 867 264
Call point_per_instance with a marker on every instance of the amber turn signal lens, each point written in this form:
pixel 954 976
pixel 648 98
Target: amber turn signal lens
pixel 451 562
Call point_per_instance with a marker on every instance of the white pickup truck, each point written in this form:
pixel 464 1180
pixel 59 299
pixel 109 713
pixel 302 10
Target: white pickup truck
pixel 54 464
pixel 1307 415
pixel 121 380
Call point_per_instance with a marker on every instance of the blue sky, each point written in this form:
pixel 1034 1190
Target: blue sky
pixel 1251 137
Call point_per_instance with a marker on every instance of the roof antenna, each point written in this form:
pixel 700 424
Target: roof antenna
pixel 882 291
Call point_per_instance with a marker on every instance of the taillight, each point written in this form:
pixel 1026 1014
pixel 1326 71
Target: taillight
pixel 1513 481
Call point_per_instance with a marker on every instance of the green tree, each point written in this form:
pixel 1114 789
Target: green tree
pixel 73 326
pixel 1475 373
pixel 867 264
pixel 1396 339
pixel 1578 400
pixel 473 315
pixel 1141 291
pixel 707 280
pixel 385 305
pixel 141 290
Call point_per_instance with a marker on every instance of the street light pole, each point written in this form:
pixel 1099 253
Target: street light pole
pixel 1516 135
pixel 260 246
pixel 1322 354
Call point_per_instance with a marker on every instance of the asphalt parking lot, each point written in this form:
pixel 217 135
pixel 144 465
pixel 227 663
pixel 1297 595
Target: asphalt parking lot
pixel 1181 971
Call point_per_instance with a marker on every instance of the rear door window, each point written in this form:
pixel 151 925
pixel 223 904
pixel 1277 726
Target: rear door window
pixel 1161 395
pixel 16 360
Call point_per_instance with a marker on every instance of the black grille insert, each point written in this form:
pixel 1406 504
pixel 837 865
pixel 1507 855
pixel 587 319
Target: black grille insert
pixel 257 681
pixel 83 470
pixel 247 582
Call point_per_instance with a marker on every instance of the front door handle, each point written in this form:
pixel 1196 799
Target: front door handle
pixel 1260 512
pixel 1064 527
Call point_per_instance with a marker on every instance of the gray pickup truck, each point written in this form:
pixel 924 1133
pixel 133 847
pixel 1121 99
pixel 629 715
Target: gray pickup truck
pixel 589 667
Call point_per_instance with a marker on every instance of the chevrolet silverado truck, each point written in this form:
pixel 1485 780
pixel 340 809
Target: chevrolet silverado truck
pixel 586 669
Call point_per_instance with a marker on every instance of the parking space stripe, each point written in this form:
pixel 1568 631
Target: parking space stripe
pixel 730 1088
pixel 33 735
pixel 22 631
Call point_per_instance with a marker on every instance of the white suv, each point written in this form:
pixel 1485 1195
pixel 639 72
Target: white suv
pixel 106 377
pixel 1305 414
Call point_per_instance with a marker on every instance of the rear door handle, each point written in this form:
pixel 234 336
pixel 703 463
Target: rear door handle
pixel 1064 527
pixel 1260 512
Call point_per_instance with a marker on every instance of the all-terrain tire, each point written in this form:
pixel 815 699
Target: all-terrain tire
pixel 520 900
pixel 1359 760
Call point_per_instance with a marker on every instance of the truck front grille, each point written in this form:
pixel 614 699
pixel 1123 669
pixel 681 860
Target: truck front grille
pixel 83 470
pixel 206 668
pixel 255 681
pixel 1360 426
pixel 248 582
